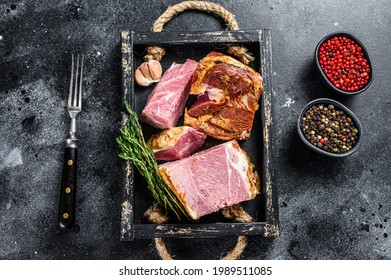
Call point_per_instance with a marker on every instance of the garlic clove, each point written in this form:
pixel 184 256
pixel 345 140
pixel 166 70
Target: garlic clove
pixel 144 68
pixel 155 69
pixel 148 73
pixel 140 79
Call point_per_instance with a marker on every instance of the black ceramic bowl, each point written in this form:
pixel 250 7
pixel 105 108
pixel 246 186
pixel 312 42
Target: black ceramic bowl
pixel 323 76
pixel 348 113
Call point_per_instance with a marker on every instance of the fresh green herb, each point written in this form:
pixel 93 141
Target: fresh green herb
pixel 134 148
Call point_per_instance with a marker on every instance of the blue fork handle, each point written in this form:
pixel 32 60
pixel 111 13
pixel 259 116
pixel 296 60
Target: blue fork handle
pixel 66 216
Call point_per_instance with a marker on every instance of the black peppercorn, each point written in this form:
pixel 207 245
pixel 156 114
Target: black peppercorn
pixel 329 129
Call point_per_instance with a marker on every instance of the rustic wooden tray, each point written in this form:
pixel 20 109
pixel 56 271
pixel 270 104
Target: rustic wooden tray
pixel 260 147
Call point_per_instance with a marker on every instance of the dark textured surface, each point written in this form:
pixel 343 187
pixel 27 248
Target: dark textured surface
pixel 330 209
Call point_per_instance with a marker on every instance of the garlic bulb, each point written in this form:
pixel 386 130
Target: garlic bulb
pixel 148 73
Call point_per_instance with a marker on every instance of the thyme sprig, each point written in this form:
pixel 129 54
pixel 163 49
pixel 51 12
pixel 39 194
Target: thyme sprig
pixel 134 148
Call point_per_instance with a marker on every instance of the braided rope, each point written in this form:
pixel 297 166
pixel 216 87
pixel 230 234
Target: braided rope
pixel 235 212
pixel 156 52
pixel 195 5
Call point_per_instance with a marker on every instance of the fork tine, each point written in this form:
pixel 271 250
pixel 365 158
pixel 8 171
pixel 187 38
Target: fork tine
pixel 71 85
pixel 80 81
pixel 74 104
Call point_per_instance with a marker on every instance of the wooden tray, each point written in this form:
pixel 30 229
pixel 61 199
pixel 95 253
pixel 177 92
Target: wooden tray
pixel 260 147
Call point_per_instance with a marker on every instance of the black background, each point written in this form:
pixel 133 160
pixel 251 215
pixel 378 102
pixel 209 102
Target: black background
pixel 329 208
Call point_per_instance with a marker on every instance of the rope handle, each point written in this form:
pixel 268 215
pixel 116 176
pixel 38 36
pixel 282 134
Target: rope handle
pixel 157 52
pixel 236 212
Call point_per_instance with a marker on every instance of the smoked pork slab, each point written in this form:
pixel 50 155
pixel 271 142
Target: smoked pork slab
pixel 228 93
pixel 176 143
pixel 212 179
pixel 168 99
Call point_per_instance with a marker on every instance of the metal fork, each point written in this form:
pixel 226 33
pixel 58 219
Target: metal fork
pixel 66 216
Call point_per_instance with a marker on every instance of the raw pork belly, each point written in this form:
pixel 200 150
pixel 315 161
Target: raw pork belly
pixel 176 143
pixel 212 179
pixel 168 99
